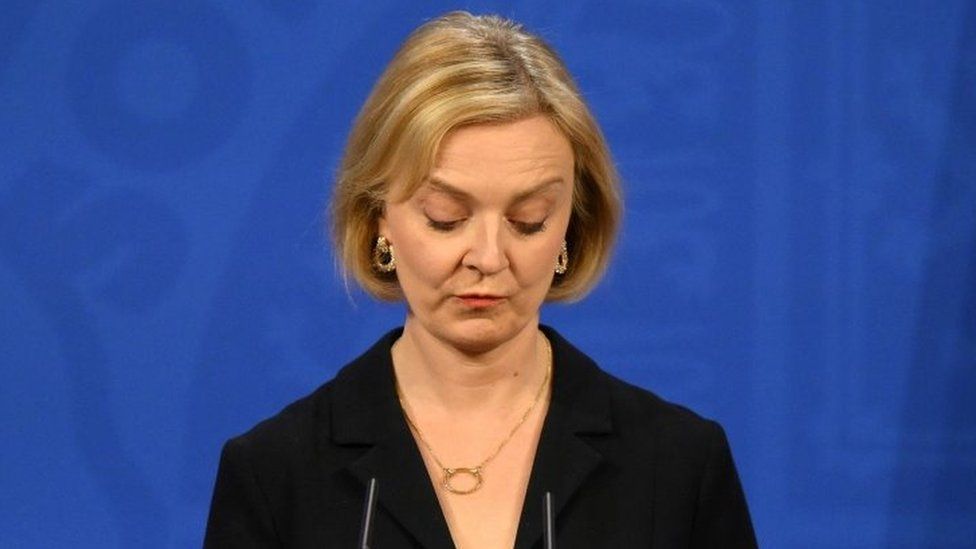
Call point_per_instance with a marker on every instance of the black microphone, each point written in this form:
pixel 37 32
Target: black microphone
pixel 548 522
pixel 367 532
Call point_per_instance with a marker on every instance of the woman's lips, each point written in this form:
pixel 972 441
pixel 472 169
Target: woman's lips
pixel 477 301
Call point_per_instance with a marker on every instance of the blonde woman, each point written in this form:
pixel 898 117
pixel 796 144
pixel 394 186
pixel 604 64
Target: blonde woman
pixel 475 186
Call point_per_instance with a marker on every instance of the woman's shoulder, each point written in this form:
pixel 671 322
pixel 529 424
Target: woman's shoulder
pixel 338 409
pixel 640 428
pixel 645 407
pixel 638 415
pixel 291 431
pixel 668 427
pixel 659 450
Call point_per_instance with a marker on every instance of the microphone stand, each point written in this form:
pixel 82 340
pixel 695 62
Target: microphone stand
pixel 368 508
pixel 548 522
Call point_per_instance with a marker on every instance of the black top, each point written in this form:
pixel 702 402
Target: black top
pixel 625 469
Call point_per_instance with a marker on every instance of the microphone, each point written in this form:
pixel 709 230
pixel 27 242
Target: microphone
pixel 367 532
pixel 548 522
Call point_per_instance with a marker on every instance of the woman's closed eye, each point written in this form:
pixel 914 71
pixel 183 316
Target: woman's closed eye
pixel 522 227
pixel 528 227
pixel 443 225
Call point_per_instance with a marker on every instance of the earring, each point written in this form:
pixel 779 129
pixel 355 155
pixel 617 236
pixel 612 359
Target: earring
pixel 562 260
pixel 383 259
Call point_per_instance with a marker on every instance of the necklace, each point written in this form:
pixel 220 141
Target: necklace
pixel 475 473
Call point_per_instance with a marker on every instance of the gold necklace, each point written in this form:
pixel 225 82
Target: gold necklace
pixel 475 472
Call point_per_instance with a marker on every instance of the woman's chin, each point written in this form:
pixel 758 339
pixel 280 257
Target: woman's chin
pixel 480 335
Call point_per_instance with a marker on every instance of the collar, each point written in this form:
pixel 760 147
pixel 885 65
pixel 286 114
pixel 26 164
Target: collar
pixel 365 412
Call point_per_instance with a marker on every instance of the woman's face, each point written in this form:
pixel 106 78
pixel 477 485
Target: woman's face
pixel 476 244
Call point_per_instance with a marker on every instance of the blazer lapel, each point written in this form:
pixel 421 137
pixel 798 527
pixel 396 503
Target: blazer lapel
pixel 405 492
pixel 366 412
pixel 580 406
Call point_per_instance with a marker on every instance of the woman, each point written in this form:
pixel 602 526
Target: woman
pixel 475 186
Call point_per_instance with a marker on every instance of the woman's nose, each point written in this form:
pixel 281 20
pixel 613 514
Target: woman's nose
pixel 487 252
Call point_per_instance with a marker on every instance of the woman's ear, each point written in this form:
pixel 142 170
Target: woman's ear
pixel 381 225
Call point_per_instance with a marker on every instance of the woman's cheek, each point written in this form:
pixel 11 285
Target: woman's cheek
pixel 440 261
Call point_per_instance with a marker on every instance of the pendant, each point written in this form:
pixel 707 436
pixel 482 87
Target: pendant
pixel 451 473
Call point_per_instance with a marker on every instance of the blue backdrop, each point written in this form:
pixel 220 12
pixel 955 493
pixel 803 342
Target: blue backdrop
pixel 798 258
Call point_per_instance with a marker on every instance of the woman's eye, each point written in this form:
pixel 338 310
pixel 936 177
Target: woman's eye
pixel 527 228
pixel 522 227
pixel 443 226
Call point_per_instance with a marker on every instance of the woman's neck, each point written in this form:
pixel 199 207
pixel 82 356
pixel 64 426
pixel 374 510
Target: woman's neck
pixel 434 373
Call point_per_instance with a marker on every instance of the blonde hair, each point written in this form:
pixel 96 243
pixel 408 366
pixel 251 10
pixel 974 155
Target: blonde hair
pixel 456 70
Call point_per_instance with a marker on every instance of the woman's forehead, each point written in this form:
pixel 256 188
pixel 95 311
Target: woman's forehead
pixel 511 191
pixel 520 157
pixel 523 143
pixel 510 159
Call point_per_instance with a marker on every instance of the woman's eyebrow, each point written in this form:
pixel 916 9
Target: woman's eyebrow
pixel 538 188
pixel 447 188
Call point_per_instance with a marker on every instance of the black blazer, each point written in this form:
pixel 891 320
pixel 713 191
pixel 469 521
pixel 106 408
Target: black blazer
pixel 625 468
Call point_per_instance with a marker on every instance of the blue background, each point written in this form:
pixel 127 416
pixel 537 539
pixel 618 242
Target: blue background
pixel 798 258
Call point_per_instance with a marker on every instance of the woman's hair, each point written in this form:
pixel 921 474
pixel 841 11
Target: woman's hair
pixel 456 70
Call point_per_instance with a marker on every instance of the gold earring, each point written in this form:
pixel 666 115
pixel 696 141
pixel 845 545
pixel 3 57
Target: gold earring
pixel 383 259
pixel 562 260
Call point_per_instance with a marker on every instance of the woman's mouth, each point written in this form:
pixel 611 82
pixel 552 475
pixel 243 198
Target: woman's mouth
pixel 479 301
